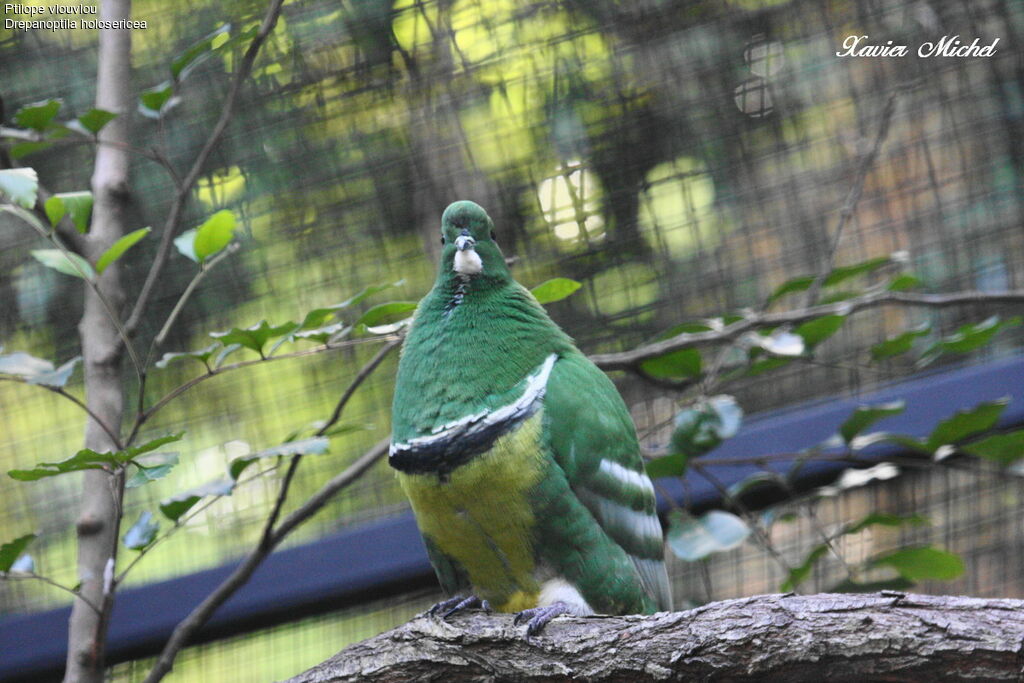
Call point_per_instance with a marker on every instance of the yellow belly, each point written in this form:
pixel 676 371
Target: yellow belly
pixel 481 516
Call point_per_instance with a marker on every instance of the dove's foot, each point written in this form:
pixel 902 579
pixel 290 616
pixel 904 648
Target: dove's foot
pixel 448 607
pixel 538 617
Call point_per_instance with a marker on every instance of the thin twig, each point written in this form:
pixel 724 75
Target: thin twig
pixel 201 614
pixel 214 372
pixel 733 501
pixel 627 360
pixel 21 576
pixel 74 399
pixel 853 197
pixel 204 268
pixel 185 188
pixel 363 373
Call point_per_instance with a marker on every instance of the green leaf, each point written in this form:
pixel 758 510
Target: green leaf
pixel 202 355
pixel 799 574
pixel 835 277
pixel 863 268
pixel 88 459
pixel 681 363
pixel 254 337
pixel 118 248
pixel 767 365
pixel 922 563
pixel 694 538
pixel 316 445
pixel 1004 449
pixel 865 416
pixel 198 52
pixel 965 423
pixel 85 459
pixel 68 263
pixel 20 186
pixel 214 234
pixel 968 338
pixel 384 312
pixel 185 243
pixel 36 370
pixel 555 289
pixel 900 343
pixel 23 149
pixel 37 116
pixel 134 451
pixel 705 425
pixel 153 100
pixel 175 506
pixel 904 282
pixel 92 121
pixel 150 468
pixel 143 532
pixel 9 552
pixel 818 330
pixel 684 328
pixel 798 284
pixel 668 466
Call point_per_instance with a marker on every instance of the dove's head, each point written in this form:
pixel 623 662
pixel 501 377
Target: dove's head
pixel 467 234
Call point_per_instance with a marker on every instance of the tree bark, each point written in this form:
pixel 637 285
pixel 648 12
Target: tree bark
pixel 829 637
pixel 102 350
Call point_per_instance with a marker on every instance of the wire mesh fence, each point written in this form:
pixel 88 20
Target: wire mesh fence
pixel 680 159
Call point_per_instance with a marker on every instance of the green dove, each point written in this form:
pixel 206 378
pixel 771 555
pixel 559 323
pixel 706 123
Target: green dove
pixel 517 453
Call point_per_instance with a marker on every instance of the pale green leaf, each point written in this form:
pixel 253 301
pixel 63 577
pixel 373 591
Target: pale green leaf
pixel 694 538
pixel 143 532
pixel 19 185
pixel 68 263
pixel 555 289
pixel 214 234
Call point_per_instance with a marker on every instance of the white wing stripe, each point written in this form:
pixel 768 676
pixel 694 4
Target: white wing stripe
pixel 623 519
pixel 627 476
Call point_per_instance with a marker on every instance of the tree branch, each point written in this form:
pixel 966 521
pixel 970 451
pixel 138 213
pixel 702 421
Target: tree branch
pixel 628 360
pixel 185 186
pixel 881 637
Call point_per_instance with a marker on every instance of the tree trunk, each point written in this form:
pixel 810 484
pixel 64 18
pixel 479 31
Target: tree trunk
pixel 880 637
pixel 100 515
